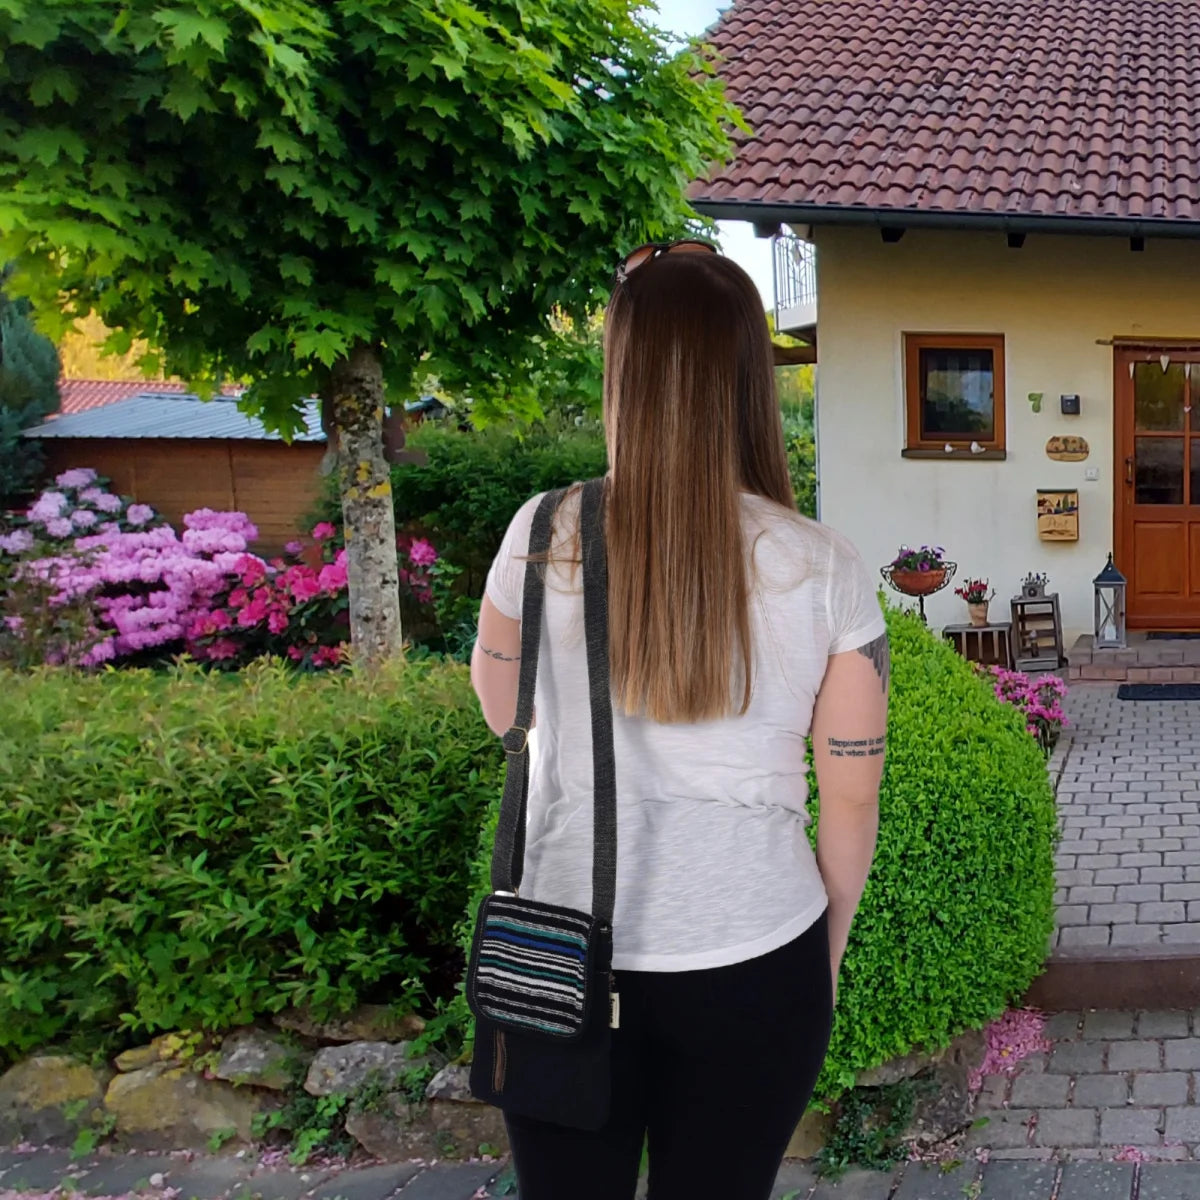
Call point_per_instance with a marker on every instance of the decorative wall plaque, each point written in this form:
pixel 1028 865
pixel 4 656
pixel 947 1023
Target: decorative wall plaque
pixel 1058 514
pixel 1067 448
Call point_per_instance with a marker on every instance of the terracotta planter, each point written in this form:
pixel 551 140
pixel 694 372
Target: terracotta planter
pixel 918 583
pixel 978 613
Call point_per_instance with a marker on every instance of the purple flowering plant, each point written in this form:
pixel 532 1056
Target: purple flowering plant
pixel 927 558
pixel 1038 697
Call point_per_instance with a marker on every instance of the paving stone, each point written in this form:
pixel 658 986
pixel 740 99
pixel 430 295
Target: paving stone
pixel 1003 1130
pixel 1084 935
pixel 1131 1126
pixel 1062 1127
pixel 1071 914
pixel 373 1183
pixel 458 1182
pixel 1135 1056
pixel 42 1171
pixel 281 1183
pixel 924 1182
pixel 1182 1054
pixel 1101 1091
pixel 129 1172
pixel 1161 1087
pixel 1170 1023
pixel 794 1179
pixel 1181 934
pixel 1108 1024
pixel 1092 895
pixel 1170 910
pixel 1183 1124
pixel 854 1185
pixel 1174 1182
pixel 1181 891
pixel 1135 935
pixel 1077 1057
pixel 1096 1181
pixel 1038 1091
pixel 1018 1181
pixel 209 1178
pixel 1063 1026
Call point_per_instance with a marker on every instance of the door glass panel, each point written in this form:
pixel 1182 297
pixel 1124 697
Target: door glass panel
pixel 1158 397
pixel 1194 468
pixel 1158 470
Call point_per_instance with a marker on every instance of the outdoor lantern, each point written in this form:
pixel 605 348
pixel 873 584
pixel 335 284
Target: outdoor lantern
pixel 1110 608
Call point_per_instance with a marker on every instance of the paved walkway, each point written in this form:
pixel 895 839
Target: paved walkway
pixel 1129 798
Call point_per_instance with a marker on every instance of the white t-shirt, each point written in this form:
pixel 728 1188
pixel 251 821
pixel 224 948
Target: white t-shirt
pixel 713 863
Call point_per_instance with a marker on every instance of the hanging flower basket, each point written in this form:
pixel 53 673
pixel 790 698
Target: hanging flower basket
pixel 917 583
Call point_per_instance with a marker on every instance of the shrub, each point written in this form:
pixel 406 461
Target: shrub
pixel 184 849
pixel 958 911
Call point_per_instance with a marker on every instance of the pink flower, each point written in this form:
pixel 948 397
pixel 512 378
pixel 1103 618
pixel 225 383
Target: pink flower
pixel 139 514
pixel 295 653
pixel 59 527
pixel 77 477
pixel 47 506
pixel 422 552
pixel 16 542
pixel 277 621
pixel 323 531
pixel 222 649
pixel 293 548
pixel 83 518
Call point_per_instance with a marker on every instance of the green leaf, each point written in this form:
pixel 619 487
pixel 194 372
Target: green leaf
pixel 56 82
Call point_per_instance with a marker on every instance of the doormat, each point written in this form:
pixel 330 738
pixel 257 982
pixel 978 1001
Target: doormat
pixel 1192 636
pixel 1159 691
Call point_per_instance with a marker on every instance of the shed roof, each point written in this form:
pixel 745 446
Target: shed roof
pixel 79 395
pixel 158 415
pixel 1019 114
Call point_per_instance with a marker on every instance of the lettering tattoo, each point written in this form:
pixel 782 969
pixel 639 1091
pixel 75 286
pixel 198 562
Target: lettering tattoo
pixel 877 651
pixel 500 657
pixel 862 748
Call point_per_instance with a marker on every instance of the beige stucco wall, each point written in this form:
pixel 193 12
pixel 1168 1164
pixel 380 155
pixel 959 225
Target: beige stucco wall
pixel 1053 301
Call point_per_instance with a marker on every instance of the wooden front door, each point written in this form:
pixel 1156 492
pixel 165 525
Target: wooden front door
pixel 1158 486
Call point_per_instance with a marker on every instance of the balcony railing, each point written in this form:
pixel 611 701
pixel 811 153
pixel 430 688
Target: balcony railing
pixel 795 270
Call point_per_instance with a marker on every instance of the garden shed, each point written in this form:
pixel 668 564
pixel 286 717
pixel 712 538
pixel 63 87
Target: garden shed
pixel 178 453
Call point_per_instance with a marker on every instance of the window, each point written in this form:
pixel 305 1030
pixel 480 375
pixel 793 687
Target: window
pixel 954 391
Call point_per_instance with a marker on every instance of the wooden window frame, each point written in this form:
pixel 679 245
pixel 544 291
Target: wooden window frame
pixel 915 445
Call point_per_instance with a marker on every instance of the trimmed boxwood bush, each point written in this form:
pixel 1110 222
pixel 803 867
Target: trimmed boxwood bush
pixel 190 850
pixel 959 908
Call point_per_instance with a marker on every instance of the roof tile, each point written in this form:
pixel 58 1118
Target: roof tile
pixel 1070 108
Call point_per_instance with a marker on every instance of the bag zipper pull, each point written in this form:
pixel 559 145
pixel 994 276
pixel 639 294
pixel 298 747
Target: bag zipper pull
pixel 614 1004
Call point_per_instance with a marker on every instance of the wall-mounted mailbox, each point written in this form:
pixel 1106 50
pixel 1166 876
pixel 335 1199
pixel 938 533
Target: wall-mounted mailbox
pixel 1070 405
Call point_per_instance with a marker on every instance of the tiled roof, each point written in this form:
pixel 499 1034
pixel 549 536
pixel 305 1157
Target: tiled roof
pixel 962 111
pixel 158 415
pixel 79 395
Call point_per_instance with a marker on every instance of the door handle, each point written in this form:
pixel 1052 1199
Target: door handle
pixel 1129 472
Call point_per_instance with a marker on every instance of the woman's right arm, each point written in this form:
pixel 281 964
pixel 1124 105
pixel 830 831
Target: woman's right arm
pixel 849 733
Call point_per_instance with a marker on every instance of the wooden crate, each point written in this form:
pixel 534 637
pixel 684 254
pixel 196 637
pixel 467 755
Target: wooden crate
pixel 1037 642
pixel 990 644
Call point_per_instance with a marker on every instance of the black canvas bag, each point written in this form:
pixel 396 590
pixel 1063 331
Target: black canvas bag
pixel 540 978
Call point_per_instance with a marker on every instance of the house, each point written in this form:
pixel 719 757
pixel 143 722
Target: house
pixel 986 217
pixel 177 453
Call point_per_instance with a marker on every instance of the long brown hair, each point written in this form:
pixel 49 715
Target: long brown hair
pixel 691 418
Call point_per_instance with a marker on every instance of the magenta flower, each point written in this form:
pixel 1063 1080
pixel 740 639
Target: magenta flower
pixel 422 552
pixel 323 531
pixel 293 549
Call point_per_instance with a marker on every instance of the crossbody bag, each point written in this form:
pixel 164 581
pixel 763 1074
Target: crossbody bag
pixel 540 980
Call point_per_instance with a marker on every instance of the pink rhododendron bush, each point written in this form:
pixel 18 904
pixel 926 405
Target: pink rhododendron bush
pixel 89 578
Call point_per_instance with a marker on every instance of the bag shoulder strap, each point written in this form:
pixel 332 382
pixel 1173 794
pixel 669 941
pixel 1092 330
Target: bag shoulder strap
pixel 508 856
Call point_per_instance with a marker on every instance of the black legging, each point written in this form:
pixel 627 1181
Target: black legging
pixel 716 1066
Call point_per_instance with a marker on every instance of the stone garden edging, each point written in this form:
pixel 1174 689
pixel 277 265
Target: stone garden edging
pixel 160 1097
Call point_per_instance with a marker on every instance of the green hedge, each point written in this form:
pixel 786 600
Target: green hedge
pixel 190 850
pixel 959 908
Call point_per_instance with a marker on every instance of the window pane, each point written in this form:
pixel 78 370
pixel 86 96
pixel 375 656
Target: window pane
pixel 1158 396
pixel 1194 471
pixel 957 394
pixel 1158 470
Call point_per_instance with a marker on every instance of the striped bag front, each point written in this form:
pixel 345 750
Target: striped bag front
pixel 529 966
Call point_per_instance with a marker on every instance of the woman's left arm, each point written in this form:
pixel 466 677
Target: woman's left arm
pixel 495 664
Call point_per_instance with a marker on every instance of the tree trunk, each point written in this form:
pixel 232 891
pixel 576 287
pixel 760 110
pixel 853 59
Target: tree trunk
pixel 356 406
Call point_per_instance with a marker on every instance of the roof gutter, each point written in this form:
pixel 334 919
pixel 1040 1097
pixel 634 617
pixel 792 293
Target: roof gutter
pixel 764 213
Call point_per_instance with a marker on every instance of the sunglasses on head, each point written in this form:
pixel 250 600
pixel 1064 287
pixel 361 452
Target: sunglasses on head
pixel 650 250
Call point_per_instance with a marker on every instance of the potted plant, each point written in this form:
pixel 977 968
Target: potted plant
pixel 918 572
pixel 1033 586
pixel 977 593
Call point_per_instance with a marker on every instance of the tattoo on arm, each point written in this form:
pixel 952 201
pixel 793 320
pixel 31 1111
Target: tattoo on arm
pixel 877 651
pixel 500 657
pixel 862 748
